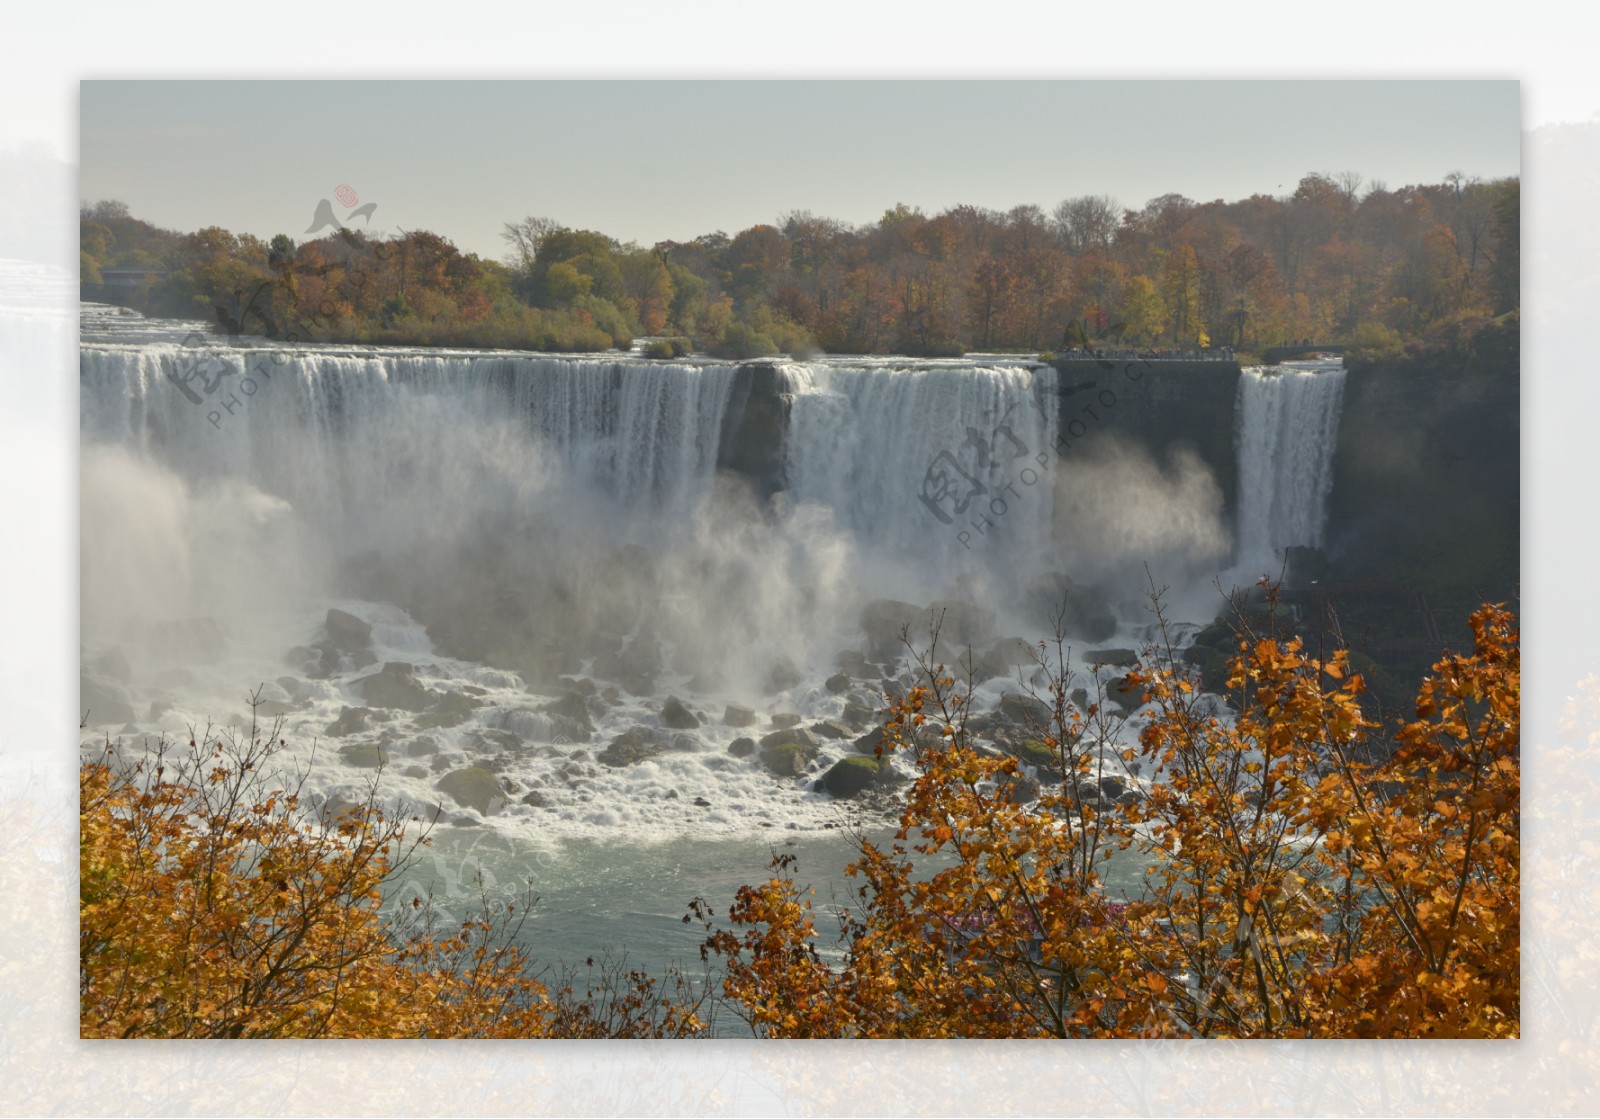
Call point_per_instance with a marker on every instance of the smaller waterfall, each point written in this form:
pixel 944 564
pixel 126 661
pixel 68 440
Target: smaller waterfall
pixel 1286 424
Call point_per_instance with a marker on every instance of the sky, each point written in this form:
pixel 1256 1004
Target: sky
pixel 649 161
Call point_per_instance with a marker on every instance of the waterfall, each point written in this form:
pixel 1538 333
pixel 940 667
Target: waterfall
pixel 945 468
pixel 348 438
pixel 1287 421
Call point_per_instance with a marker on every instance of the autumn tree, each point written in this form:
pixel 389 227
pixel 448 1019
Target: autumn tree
pixel 1304 875
pixel 216 902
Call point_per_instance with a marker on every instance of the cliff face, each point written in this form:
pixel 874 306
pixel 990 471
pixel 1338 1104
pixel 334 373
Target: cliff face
pixel 1158 406
pixel 754 428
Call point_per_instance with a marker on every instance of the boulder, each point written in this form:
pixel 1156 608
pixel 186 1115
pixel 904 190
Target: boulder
pixel 364 756
pixel 675 715
pixel 629 748
pixel 451 710
pixel 348 632
pixel 868 743
pixel 858 715
pixel 1115 658
pixel 849 776
pixel 351 720
pixel 787 759
pixel 887 623
pixel 422 747
pixel 394 686
pixel 827 728
pixel 790 736
pixel 838 683
pixel 1010 652
pixel 417 772
pixel 1024 710
pixel 534 799
pixel 853 662
pixel 736 716
pixel 742 747
pixel 783 676
pixel 1019 788
pixel 573 706
pixel 112 665
pixel 961 623
pixel 785 719
pixel 474 787
pixel 1126 693
pixel 103 701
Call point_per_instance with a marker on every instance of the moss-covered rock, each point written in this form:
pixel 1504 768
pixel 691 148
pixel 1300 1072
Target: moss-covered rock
pixel 849 776
pixel 474 787
pixel 451 710
pixel 787 759
pixel 365 756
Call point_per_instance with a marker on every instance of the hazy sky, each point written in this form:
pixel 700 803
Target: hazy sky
pixel 651 161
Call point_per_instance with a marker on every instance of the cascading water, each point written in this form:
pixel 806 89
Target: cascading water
pixel 344 436
pixel 1287 422
pixel 519 530
pixel 942 467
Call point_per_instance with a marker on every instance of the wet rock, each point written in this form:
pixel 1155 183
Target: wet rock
pixel 361 658
pixel 684 744
pixel 364 756
pixel 858 715
pixel 347 632
pixel 416 771
pixel 1019 788
pixel 854 662
pixel 868 743
pixel 1112 787
pixel 351 720
pixel 535 799
pixel 827 728
pixel 574 707
pixel 422 747
pixel 838 684
pixel 1024 710
pixel 103 700
pixel 451 710
pixel 629 748
pixel 742 747
pixel 783 676
pixel 580 684
pixel 1080 698
pixel 1116 658
pixel 394 686
pixel 961 623
pixel 788 759
pixel 113 666
pixel 701 802
pixel 886 622
pixel 1126 693
pixel 473 787
pixel 850 776
pixel 675 715
pixel 737 716
pixel 785 719
pixel 790 735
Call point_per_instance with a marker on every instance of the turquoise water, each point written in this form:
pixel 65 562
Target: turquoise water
pixel 629 899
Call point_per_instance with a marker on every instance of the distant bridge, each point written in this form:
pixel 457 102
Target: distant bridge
pixel 1276 355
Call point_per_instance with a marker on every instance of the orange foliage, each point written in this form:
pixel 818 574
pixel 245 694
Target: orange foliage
pixel 1304 878
pixel 212 904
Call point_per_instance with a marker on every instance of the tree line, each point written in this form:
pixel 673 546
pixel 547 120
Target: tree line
pixel 1335 261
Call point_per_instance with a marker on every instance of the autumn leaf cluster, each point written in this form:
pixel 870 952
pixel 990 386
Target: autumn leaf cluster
pixel 1304 872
